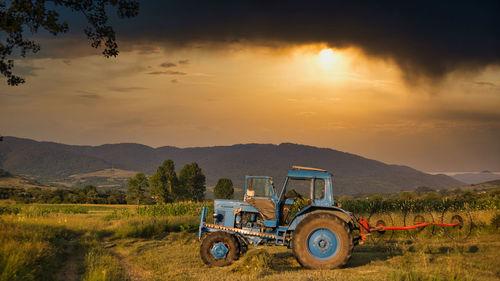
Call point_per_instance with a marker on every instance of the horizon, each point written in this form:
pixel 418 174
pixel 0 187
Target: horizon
pixel 447 173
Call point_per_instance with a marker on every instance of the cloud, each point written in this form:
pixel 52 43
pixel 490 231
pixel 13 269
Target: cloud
pixel 27 70
pixel 174 81
pixel 425 38
pixel 88 95
pixel 126 89
pixel 168 64
pixel 167 72
pixel 485 84
pixel 464 115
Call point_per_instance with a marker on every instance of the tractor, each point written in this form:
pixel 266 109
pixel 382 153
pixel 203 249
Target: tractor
pixel 303 217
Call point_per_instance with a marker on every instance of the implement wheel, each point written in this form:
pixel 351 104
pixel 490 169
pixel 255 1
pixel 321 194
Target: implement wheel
pixel 322 241
pixel 413 218
pixel 465 225
pixel 219 249
pixel 381 219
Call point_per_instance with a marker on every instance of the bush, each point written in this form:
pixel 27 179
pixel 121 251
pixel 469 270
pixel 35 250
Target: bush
pixel 495 221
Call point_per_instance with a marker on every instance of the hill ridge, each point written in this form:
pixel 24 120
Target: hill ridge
pixel 52 162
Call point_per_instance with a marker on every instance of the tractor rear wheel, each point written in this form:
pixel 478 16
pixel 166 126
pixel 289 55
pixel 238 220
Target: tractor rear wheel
pixel 322 241
pixel 219 249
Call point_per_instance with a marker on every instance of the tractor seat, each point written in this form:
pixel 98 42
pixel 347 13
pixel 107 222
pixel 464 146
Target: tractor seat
pixel 265 206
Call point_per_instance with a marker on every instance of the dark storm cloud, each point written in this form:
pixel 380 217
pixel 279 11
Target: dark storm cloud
pixel 429 38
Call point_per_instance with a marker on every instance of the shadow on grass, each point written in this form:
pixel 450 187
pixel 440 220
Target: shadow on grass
pixel 365 254
pixel 362 255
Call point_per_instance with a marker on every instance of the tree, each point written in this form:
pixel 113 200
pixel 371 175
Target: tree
pixel 92 197
pixel 116 197
pixel 136 187
pixel 89 188
pixel 164 182
pixel 192 180
pixel 224 189
pixel 22 16
pixel 423 189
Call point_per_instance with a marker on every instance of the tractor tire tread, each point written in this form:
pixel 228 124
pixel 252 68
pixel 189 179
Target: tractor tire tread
pixel 300 234
pixel 215 237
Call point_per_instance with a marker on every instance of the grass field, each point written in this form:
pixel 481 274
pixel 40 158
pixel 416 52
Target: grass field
pixel 109 242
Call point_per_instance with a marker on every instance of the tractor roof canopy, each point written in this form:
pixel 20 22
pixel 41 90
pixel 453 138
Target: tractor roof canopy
pixel 306 172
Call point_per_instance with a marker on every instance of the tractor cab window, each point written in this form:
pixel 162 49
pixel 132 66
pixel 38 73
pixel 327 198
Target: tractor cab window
pixel 259 187
pixel 319 189
pixel 298 188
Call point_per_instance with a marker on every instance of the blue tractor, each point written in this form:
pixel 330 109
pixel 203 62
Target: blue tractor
pixel 303 217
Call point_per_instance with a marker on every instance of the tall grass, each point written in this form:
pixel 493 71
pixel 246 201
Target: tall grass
pixel 30 251
pixel 166 210
pixel 174 209
pixel 154 227
pixel 99 264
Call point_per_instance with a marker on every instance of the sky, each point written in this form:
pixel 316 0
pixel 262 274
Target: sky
pixel 408 84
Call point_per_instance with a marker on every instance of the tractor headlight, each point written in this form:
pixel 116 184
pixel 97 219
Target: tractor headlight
pixel 218 217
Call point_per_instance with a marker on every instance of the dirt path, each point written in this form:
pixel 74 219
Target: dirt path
pixel 134 272
pixel 70 270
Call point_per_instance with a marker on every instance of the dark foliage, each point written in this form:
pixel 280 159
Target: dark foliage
pixel 88 194
pixel 22 16
pixel 224 189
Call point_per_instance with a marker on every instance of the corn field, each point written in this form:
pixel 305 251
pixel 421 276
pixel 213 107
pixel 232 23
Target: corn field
pixel 360 206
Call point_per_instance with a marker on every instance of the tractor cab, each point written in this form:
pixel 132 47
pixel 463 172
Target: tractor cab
pixel 308 184
pixel 260 193
pixel 303 187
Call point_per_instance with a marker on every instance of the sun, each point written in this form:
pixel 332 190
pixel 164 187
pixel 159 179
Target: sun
pixel 326 58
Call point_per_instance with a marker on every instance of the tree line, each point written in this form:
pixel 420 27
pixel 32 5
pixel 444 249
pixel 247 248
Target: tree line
pixel 85 195
pixel 165 186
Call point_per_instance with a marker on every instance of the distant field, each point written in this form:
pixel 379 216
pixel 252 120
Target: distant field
pixel 110 242
pixel 19 182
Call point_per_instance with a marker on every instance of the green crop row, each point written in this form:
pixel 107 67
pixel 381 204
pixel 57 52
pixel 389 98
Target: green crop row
pixel 417 205
pixel 36 210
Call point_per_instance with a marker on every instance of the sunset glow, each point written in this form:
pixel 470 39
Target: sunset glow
pixel 326 58
pixel 204 94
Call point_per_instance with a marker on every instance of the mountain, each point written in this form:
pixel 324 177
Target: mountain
pixel 51 162
pixel 475 178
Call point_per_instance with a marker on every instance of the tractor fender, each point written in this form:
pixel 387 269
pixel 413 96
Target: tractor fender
pixel 342 214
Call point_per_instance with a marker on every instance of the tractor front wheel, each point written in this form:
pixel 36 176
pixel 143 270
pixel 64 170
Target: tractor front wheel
pixel 322 241
pixel 219 249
